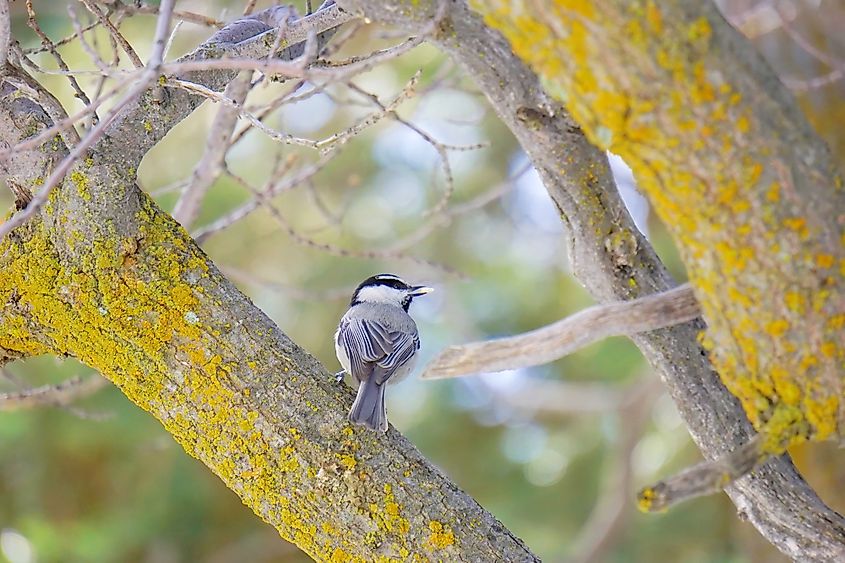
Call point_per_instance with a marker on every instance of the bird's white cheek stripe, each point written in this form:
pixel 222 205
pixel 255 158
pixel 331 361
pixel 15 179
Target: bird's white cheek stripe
pixel 381 294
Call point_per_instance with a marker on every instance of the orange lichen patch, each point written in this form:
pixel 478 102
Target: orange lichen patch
pixel 700 149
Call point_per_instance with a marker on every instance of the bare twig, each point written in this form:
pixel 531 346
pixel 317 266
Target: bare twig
pixel 253 120
pixel 295 68
pixel 45 41
pixel 331 249
pixel 92 51
pixel 706 478
pixel 211 164
pixel 277 186
pixel 60 394
pixel 563 337
pixel 123 10
pixel 116 36
pixel 837 66
pixel 442 219
pixel 440 148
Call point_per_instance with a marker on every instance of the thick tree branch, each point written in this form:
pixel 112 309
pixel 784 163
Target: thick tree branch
pixel 154 316
pixel 138 300
pixel 615 262
pixel 566 336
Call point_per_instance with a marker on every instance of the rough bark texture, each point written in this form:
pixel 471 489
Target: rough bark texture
pixel 612 258
pixel 105 276
pixel 750 193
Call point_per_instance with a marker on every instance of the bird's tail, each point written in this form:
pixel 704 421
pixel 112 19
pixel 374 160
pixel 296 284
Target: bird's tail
pixel 368 408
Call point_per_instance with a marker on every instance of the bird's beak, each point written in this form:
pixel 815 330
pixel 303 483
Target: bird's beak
pixel 418 290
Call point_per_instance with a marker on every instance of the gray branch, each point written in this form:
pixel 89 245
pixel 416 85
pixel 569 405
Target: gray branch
pixel 567 335
pixel 615 262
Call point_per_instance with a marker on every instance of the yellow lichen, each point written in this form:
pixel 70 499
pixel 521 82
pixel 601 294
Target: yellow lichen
pixel 441 535
pixel 665 103
pixel 81 183
pixel 137 310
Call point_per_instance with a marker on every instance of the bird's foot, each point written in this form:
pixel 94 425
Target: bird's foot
pixel 339 376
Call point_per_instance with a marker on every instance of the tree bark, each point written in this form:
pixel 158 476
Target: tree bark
pixel 611 257
pixel 749 192
pixel 103 275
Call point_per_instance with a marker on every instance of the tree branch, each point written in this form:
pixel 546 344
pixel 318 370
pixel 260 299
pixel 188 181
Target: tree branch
pixel 246 39
pixel 140 302
pixel 706 478
pixel 566 336
pixel 60 394
pixel 615 262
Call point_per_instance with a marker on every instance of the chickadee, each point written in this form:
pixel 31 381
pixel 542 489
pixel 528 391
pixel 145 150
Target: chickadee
pixel 376 342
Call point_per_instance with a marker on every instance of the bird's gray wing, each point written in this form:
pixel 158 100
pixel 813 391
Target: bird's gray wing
pixel 405 345
pixel 373 349
pixel 365 343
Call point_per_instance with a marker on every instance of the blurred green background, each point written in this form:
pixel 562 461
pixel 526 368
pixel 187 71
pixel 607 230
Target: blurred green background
pixel 101 481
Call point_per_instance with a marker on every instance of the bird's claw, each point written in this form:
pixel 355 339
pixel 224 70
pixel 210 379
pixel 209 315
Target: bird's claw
pixel 339 376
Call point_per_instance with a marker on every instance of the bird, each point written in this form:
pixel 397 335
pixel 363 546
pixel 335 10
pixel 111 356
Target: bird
pixel 377 342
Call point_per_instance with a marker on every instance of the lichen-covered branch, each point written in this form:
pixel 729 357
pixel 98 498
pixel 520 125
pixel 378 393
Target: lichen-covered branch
pixel 153 315
pixel 124 289
pixel 615 262
pixel 750 194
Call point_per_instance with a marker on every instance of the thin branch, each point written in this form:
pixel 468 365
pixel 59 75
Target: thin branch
pixel 837 66
pixel 253 120
pixel 331 249
pixel 278 185
pixel 45 41
pixel 706 478
pixel 116 36
pixel 440 220
pixel 61 394
pixel 564 337
pixel 212 162
pixel 130 10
